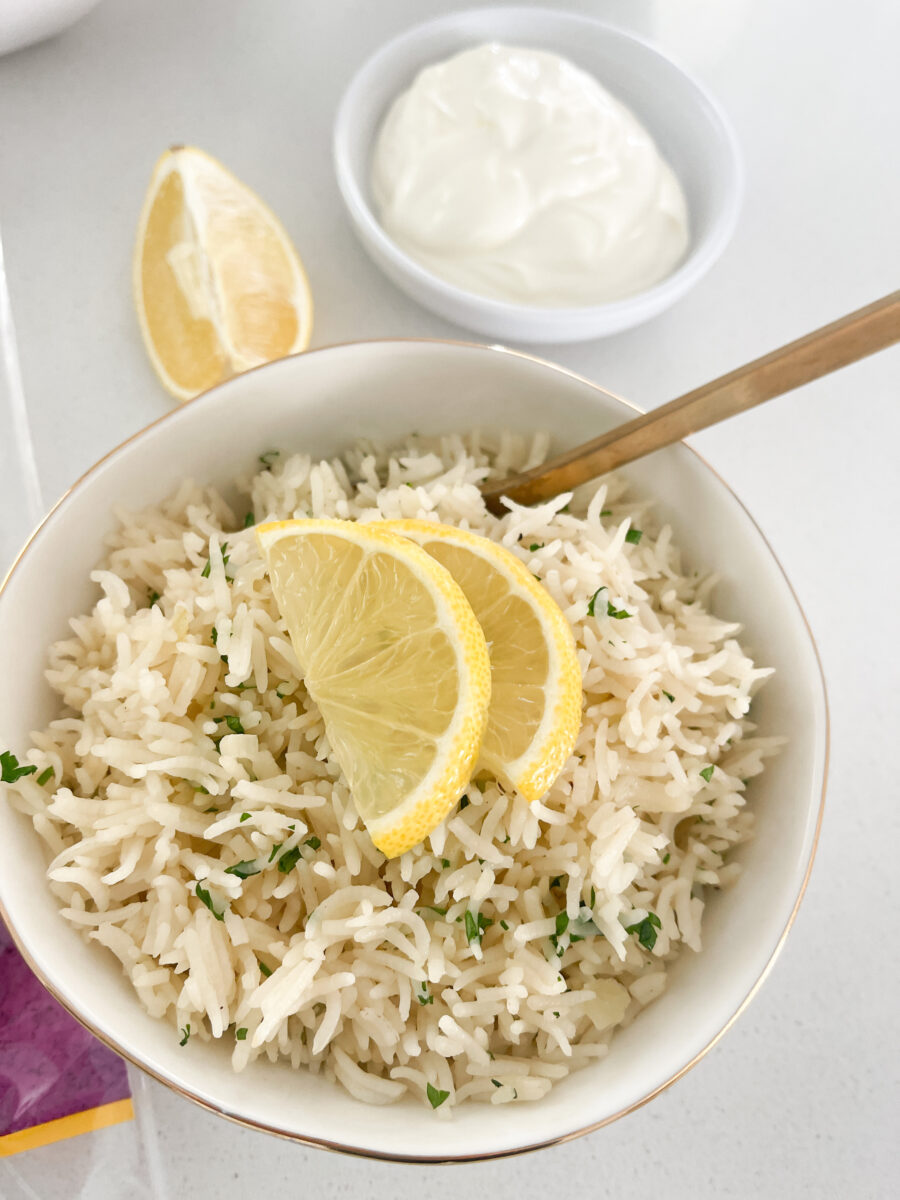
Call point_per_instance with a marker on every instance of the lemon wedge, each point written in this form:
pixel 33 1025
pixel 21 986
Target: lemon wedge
pixel 218 287
pixel 535 711
pixel 396 662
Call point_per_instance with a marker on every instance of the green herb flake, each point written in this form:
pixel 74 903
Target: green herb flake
pixel 214 635
pixel 593 897
pixel 288 860
pixel 669 696
pixel 707 773
pixel 234 723
pixel 204 896
pixel 275 850
pixel 424 996
pixel 605 512
pixel 464 803
pixel 240 1035
pixel 263 969
pixel 249 520
pixel 634 536
pixel 536 546
pixel 435 908
pixel 313 842
pixel 646 930
pixel 185 1034
pixel 476 926
pixel 496 1083
pixel 445 863
pixel 593 600
pixel 153 597
pixel 212 809
pixel 436 1096
pixel 503 925
pixel 45 776
pixel 556 881
pixel 10 770
pixel 245 817
pixel 562 923
pixel 267 460
pixel 244 869
pixel 556 1014
pixel 618 614
pixel 666 859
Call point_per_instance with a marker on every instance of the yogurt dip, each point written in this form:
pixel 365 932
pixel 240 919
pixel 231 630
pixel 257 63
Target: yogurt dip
pixel 512 173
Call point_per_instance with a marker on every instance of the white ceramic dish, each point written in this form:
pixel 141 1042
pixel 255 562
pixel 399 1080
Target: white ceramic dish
pixel 319 401
pixel 688 125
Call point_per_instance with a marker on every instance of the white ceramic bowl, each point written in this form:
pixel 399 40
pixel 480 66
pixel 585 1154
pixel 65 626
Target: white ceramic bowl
pixel 319 401
pixel 688 125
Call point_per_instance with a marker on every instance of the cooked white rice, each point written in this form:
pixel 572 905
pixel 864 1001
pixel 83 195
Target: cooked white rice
pixel 354 966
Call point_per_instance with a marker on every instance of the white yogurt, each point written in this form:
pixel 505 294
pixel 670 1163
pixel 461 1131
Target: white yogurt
pixel 512 173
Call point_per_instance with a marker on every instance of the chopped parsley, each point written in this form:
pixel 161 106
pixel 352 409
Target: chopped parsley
pixel 536 546
pixel 593 896
pixel 241 1034
pixel 313 842
pixel 496 1083
pixel 275 850
pixel 267 460
pixel 669 696
pixel 263 969
pixel 185 1034
pixel 618 614
pixel 593 600
pixel 288 860
pixel 153 598
pixel 10 770
pixel 634 536
pixel 436 1096
pixel 244 869
pixel 424 996
pixel 225 557
pixel 707 773
pixel 464 803
pixel 445 862
pixel 248 520
pixel 562 924
pixel 503 925
pixel 435 908
pixel 245 816
pixel 45 776
pixel 666 859
pixel 234 723
pixel 646 930
pixel 476 926
pixel 204 896
pixel 605 512
pixel 212 809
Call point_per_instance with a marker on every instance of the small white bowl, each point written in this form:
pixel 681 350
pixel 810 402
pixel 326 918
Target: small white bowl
pixel 321 401
pixel 687 123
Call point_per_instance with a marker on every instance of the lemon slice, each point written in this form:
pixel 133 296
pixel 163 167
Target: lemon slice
pixel 218 287
pixel 394 658
pixel 535 711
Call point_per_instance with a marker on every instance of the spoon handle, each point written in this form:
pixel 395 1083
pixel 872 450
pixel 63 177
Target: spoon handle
pixel 819 353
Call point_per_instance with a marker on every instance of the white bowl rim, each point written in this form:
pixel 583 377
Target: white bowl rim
pixel 208 396
pixel 655 298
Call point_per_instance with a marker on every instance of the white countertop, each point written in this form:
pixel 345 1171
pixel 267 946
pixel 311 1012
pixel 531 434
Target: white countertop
pixel 801 1097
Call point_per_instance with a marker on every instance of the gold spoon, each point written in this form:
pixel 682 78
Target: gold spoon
pixel 853 337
